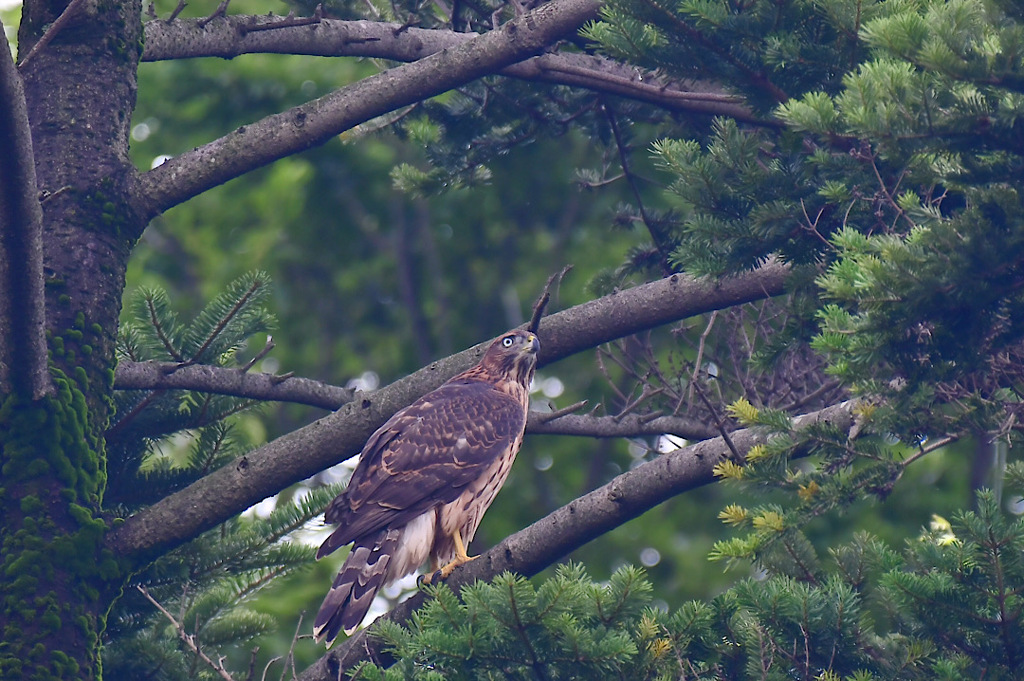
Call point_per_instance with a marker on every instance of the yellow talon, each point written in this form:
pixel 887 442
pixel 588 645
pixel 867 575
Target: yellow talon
pixel 461 558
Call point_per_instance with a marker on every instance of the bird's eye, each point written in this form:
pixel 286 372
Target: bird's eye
pixel 507 341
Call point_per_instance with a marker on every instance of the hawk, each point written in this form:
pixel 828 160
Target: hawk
pixel 425 479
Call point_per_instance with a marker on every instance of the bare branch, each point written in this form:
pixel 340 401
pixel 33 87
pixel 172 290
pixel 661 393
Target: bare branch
pixel 634 425
pixel 338 436
pixel 238 35
pixel 548 540
pixel 313 123
pixel 261 386
pixel 23 363
pixel 188 638
pixel 545 297
pixel 221 381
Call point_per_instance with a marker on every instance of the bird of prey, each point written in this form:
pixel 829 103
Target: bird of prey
pixel 425 479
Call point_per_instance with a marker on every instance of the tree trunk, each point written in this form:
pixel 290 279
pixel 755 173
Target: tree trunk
pixel 79 77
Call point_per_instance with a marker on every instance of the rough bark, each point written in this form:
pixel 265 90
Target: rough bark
pixel 528 552
pixel 79 63
pixel 336 437
pixel 22 308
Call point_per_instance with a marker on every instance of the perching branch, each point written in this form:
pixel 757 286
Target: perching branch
pixel 274 137
pixel 23 363
pixel 548 540
pixel 237 35
pixel 338 436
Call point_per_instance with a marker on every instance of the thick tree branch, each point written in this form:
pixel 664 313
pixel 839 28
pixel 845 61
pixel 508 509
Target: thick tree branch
pixel 336 437
pixel 313 123
pixel 570 527
pixel 332 38
pixel 222 381
pixel 23 362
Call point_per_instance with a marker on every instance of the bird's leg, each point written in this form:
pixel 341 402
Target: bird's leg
pixel 461 558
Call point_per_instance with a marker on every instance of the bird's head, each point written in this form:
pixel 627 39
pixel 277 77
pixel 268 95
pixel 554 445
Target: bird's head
pixel 514 355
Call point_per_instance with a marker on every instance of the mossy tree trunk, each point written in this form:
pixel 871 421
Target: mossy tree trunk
pixel 58 581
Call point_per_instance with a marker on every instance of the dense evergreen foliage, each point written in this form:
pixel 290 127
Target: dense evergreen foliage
pixel 945 606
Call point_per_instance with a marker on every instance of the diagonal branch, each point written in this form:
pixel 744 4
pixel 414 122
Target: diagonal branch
pixel 23 362
pixel 274 137
pixel 237 35
pixel 334 438
pixel 548 540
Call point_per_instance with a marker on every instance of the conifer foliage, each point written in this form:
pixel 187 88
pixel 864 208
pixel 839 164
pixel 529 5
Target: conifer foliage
pixel 191 602
pixel 948 606
pixel 894 177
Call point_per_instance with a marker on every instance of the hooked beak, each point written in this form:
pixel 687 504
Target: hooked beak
pixel 533 346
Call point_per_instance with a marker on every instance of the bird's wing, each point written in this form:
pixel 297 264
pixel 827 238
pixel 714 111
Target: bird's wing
pixel 424 456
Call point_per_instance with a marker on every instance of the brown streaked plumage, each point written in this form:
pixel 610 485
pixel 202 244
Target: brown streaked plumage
pixel 425 479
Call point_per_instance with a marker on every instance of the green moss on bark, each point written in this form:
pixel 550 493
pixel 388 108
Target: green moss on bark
pixel 57 576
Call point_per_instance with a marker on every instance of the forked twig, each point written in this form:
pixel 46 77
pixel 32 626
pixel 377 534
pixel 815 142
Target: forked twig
pixel 720 424
pixel 188 638
pixel 558 413
pixel 542 302
pixel 286 22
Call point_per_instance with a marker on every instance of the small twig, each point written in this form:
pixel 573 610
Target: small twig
pixel 720 424
pixel 803 401
pixel 189 639
pixel 177 10
pixel 647 418
pixel 259 355
pixel 700 354
pixel 290 658
pixel 631 178
pixel 542 302
pixel 558 413
pixel 52 32
pixel 287 22
pixel 266 669
pixel 644 396
pixel 925 451
pixel 221 11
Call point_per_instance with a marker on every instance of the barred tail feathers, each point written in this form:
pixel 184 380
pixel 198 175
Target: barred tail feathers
pixel 363 574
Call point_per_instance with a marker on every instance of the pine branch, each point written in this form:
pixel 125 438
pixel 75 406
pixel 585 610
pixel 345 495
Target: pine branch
pixel 274 137
pixel 23 361
pixel 313 448
pixel 238 35
pixel 626 497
